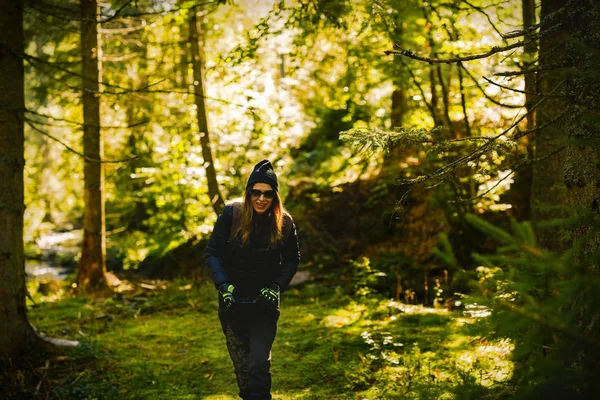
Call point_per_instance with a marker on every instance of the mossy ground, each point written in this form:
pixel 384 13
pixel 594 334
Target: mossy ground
pixel 167 344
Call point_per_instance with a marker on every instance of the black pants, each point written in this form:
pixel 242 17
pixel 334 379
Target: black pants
pixel 250 331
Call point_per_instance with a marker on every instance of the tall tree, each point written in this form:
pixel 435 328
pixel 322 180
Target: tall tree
pixel 548 191
pixel 92 266
pixel 529 52
pixel 399 99
pixel 16 334
pixel 216 200
pixel 582 161
pixel 520 194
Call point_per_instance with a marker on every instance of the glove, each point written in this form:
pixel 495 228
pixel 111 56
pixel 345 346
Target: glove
pixel 269 297
pixel 226 291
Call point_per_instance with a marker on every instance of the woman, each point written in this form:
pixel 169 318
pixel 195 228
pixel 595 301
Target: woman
pixel 253 255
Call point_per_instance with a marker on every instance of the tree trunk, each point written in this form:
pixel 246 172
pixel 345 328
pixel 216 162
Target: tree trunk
pixel 399 103
pixel 548 192
pixel 91 275
pixel 529 51
pixel 390 166
pixel 520 193
pixel 399 107
pixel 463 101
pixel 16 335
pixel 446 100
pixel 582 164
pixel 211 175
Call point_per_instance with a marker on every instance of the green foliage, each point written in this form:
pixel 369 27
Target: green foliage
pixel 547 305
pixel 374 140
pixel 365 278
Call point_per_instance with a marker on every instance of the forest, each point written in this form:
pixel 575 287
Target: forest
pixel 440 160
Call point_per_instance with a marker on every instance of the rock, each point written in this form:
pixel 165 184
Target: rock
pixel 300 278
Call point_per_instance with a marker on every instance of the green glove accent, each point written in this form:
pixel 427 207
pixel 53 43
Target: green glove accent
pixel 226 291
pixel 269 297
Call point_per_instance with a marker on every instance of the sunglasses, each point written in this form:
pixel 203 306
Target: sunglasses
pixel 255 193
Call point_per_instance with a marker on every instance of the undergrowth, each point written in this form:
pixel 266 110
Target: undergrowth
pixel 167 344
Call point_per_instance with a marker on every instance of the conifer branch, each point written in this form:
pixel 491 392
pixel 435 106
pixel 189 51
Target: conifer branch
pixel 520 134
pixel 482 90
pixel 492 51
pixel 116 14
pixel 72 150
pixel 77 123
pixel 550 67
pixel 125 90
pixel 479 151
pixel 71 15
pixel 487 16
pixel 524 32
pixel 520 90
pixel 507 87
pixel 550 18
pixel 414 79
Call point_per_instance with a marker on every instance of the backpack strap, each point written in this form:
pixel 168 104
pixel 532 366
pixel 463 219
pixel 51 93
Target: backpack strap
pixel 287 227
pixel 235 221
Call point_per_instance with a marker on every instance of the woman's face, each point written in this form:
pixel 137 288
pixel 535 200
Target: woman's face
pixel 261 196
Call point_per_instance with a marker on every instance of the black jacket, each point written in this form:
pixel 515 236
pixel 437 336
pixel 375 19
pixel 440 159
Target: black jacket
pixel 254 266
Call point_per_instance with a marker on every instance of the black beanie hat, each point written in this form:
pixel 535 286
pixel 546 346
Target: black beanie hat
pixel 263 172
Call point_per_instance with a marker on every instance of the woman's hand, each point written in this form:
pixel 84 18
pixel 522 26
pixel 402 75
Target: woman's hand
pixel 227 294
pixel 269 297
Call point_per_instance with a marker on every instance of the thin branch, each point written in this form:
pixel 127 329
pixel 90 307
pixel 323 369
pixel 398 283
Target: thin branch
pixel 116 14
pixel 506 87
pixel 513 168
pixel 72 150
pixel 463 100
pixel 487 96
pixel 49 9
pixel 108 58
pixel 477 152
pixel 71 15
pixel 414 79
pixel 28 57
pixel 487 16
pixel 519 90
pixel 551 67
pixel 520 134
pixel 77 123
pixel 492 51
pixel 547 21
pixel 170 11
pixel 524 32
pixel 126 90
pixel 479 196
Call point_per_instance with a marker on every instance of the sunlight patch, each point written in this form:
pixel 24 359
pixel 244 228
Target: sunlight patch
pixel 416 309
pixel 344 317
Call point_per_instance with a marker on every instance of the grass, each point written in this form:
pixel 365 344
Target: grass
pixel 167 344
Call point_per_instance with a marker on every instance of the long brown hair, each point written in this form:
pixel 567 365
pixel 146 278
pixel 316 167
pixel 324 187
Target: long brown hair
pixel 275 212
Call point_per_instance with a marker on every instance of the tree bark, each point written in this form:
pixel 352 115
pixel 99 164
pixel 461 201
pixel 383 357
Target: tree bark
pixel 446 100
pixel 91 275
pixel 399 107
pixel 216 200
pixel 582 164
pixel 529 51
pixel 548 192
pixel 399 103
pixel 16 334
pixel 520 192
